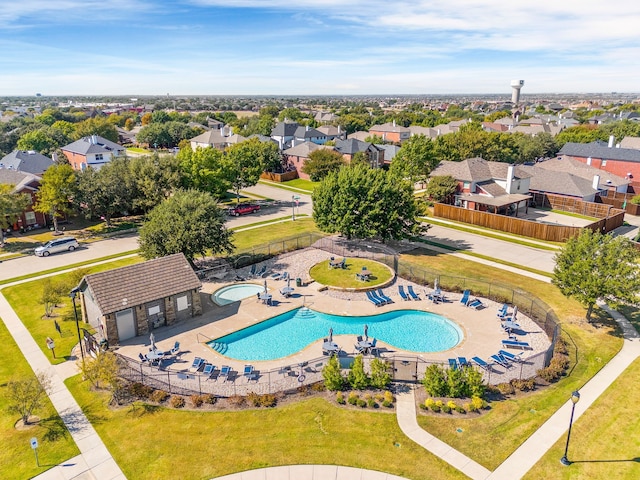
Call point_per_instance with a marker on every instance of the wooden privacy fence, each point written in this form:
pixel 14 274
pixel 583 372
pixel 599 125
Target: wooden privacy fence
pixel 280 177
pixel 617 200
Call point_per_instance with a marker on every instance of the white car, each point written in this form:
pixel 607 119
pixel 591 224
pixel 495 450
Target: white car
pixel 57 245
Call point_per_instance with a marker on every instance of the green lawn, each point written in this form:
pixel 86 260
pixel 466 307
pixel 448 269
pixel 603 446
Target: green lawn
pixel 346 278
pixel 605 440
pixel 55 444
pixel 248 239
pixel 307 185
pixel 138 150
pixel 202 445
pixel 24 299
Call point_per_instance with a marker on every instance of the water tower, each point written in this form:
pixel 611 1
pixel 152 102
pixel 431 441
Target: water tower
pixel 516 85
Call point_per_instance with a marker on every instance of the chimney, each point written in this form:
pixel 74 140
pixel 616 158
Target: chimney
pixel 306 129
pixel 611 140
pixel 54 157
pixel 394 123
pixel 94 139
pixel 596 182
pixel 588 160
pixel 510 175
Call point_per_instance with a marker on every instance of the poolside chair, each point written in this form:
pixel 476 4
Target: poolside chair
pixel 403 295
pixel 462 361
pixel 208 369
pixel 481 363
pixel 176 349
pixel 380 299
pixel 510 356
pixel 224 372
pixel 285 276
pixel 276 276
pixel 142 358
pixel 376 301
pixel 453 364
pixel 343 263
pixel 500 360
pixel 503 311
pixel 374 346
pixel 249 373
pixel 252 272
pixel 476 304
pixel 262 271
pixel 383 296
pixel 516 344
pixel 465 297
pixel 197 364
pixel 414 295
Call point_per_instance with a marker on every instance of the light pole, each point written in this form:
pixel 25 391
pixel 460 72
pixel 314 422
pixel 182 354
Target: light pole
pixel 72 294
pixel 293 208
pixel 575 396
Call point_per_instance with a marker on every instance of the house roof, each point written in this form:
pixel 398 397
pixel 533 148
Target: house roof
pixel 330 130
pixel 304 149
pixel 352 146
pixel 307 132
pixel 390 151
pixel 284 129
pixel 477 170
pixel 630 142
pixel 426 131
pixel 600 150
pixel 559 182
pixel 360 135
pixel 217 137
pixel 126 287
pixel 501 201
pixel 26 161
pixel 389 127
pixel 92 144
pixel 582 170
pixel 20 180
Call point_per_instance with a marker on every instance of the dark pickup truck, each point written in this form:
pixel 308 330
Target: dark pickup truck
pixel 243 209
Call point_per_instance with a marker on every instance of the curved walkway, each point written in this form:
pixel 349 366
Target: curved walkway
pixel 311 472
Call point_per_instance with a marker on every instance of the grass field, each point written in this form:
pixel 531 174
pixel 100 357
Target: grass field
pixel 346 278
pixel 55 444
pixel 253 237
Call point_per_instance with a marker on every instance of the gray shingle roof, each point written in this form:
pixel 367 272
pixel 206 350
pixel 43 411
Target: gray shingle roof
pixel 304 149
pixel 126 287
pixel 26 161
pixel 18 179
pixel 600 150
pixel 284 129
pixel 351 146
pixel 303 132
pixel 85 146
pixel 561 183
pixel 389 127
pixel 582 170
pixel 477 170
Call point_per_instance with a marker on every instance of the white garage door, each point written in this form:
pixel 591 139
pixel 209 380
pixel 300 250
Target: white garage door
pixel 126 324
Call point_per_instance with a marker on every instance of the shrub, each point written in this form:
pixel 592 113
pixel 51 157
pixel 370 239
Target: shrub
pixel 318 387
pixel 635 200
pixel 478 403
pixel 268 400
pixel 456 384
pixel 140 390
pixel 475 386
pixel 423 406
pixel 452 405
pixel 177 401
pixel 353 398
pixel 361 403
pixel 388 396
pixel 379 397
pixel 460 409
pixel 357 377
pixel 435 381
pixel 467 406
pixel 446 408
pixel 559 362
pixel 524 385
pixel 428 403
pixel 332 374
pixel 210 398
pixel 505 388
pixel 304 389
pixel 236 400
pixel 254 399
pixel 435 407
pixel 197 400
pixel 387 404
pixel 371 402
pixel 380 376
pixel 159 396
pixel 340 398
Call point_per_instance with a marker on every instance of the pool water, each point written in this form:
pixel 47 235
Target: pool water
pixel 286 334
pixel 235 293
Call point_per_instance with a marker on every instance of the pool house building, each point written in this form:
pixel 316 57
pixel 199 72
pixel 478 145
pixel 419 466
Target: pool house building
pixel 130 301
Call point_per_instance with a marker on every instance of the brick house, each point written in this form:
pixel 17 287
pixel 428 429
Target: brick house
pixel 26 161
pixel 126 302
pixel 390 132
pixel 92 151
pixel 295 157
pixel 348 148
pixel 27 183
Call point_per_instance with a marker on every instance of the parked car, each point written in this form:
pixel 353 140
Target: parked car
pixel 243 209
pixel 57 245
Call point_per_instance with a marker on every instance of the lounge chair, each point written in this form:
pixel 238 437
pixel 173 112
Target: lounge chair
pixel 500 360
pixel 197 364
pixel 252 272
pixel 453 364
pixel 414 295
pixel 208 370
pixel 285 276
pixel 476 304
pixel 516 344
pixel 276 276
pixel 262 271
pixel 176 349
pixel 249 373
pixel 510 356
pixel 375 300
pixel 224 372
pixel 374 345
pixel 343 263
pixel 465 297
pixel 383 296
pixel 403 295
pixel 481 363
pixel 462 361
pixel 435 296
pixel 503 311
pixel 380 299
pixel 142 358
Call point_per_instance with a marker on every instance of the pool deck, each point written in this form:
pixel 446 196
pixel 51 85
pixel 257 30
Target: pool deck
pixel 482 330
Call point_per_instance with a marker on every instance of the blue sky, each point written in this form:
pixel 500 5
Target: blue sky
pixel 283 47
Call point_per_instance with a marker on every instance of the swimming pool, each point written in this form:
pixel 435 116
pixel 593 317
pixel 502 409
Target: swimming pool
pixel 235 293
pixel 286 334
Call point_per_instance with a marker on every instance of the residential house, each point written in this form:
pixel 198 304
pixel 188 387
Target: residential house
pixel 360 135
pixel 426 131
pixel 325 118
pixel 630 142
pixel 92 151
pixel 332 133
pixel 606 181
pixel 623 162
pixel 215 138
pixel 27 183
pixel 129 301
pixel 26 161
pixel 348 148
pixel 390 151
pixel 284 133
pixel 390 132
pixel 295 157
pixel 487 186
pixel 308 134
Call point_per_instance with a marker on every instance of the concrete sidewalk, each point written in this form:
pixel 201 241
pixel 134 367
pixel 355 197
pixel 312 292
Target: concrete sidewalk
pixel 94 460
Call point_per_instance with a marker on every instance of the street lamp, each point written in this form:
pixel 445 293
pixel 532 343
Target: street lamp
pixel 73 294
pixel 575 396
pixel 293 208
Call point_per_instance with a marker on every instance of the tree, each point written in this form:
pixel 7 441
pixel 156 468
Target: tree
pixel 205 169
pixel 155 178
pixel 362 202
pixel 11 207
pixel 96 126
pixel 321 162
pixel 51 295
pixel 593 266
pixel 245 162
pixel 102 371
pixel 189 222
pixel 332 374
pixel 357 377
pixel 28 395
pixel 40 140
pixel 416 159
pixel 57 189
pixel 441 187
pixel 380 376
